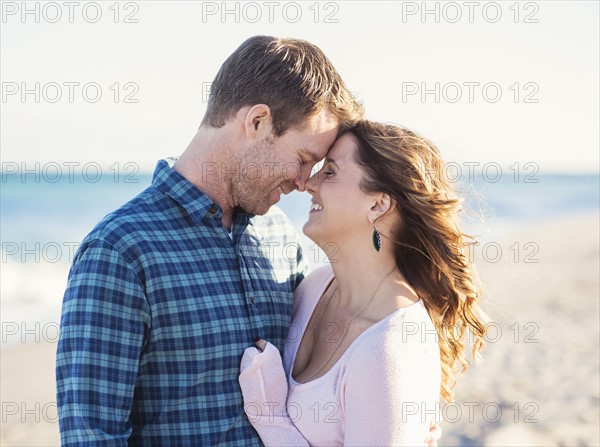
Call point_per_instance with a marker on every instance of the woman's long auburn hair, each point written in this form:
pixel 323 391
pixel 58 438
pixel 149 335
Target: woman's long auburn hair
pixel 431 250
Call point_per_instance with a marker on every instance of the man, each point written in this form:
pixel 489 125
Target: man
pixel 166 292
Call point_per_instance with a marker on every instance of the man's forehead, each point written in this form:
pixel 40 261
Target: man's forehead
pixel 324 121
pixel 322 129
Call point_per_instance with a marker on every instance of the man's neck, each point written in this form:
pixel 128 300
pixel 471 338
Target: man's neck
pixel 204 163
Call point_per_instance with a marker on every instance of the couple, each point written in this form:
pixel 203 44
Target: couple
pixel 167 294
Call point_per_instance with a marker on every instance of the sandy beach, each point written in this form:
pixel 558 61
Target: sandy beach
pixel 538 385
pixel 29 416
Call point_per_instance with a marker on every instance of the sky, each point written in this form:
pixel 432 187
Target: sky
pixel 509 84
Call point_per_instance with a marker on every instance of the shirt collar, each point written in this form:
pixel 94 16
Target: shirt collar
pixel 188 196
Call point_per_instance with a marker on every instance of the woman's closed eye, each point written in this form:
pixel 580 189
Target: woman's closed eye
pixel 329 169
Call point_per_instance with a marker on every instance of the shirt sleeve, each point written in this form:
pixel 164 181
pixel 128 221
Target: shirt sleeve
pixel 104 322
pixel 383 399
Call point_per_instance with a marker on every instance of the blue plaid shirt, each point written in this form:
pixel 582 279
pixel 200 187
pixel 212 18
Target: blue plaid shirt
pixel 159 307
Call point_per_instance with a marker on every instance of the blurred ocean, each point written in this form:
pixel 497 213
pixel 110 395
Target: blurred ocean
pixel 42 223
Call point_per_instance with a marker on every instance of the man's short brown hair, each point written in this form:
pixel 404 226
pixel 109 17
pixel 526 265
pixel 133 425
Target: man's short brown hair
pixel 292 76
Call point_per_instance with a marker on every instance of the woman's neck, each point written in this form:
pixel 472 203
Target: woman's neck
pixel 360 272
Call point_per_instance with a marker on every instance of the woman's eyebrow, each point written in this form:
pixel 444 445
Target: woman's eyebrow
pixel 330 160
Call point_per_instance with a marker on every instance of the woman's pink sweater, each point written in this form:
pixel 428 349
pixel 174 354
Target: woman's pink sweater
pixel 384 390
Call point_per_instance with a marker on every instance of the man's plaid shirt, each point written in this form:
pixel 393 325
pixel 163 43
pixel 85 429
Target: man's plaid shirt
pixel 159 307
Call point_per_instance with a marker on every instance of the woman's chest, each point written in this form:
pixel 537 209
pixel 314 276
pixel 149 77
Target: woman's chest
pixel 316 410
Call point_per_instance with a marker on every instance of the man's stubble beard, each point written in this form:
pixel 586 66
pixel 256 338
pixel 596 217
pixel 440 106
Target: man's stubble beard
pixel 252 187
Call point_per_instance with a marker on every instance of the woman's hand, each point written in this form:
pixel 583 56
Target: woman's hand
pixel 265 389
pixel 263 382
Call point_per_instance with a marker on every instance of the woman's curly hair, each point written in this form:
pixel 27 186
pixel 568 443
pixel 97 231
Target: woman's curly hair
pixel 431 250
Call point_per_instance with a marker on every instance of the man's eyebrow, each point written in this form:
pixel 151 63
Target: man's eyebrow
pixel 309 155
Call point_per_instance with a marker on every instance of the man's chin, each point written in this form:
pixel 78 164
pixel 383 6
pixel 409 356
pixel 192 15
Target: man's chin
pixel 261 207
pixel 262 211
pixel 258 209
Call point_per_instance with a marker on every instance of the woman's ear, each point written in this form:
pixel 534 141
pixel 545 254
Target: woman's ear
pixel 258 122
pixel 382 204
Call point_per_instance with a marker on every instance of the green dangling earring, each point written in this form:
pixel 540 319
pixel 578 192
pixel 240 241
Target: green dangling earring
pixel 376 239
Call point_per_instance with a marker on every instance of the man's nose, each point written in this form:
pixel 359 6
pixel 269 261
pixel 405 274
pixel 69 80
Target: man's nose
pixel 303 178
pixel 301 184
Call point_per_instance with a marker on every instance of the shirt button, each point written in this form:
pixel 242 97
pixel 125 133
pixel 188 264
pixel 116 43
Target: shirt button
pixel 252 300
pixel 212 210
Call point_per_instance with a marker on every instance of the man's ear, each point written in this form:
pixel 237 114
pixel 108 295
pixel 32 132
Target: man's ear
pixel 258 123
pixel 382 203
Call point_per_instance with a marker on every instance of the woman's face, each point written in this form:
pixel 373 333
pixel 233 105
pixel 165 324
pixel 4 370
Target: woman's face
pixel 339 208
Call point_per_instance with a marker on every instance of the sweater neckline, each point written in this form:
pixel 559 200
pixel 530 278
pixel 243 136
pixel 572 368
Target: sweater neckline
pixel 328 280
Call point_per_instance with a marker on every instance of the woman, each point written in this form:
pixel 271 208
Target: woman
pixel 377 334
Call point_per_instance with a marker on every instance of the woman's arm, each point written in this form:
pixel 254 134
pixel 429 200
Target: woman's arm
pixel 265 391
